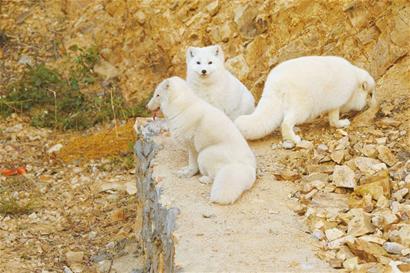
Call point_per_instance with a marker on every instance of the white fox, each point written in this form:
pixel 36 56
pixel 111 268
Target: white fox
pixel 211 81
pixel 299 90
pixel 216 147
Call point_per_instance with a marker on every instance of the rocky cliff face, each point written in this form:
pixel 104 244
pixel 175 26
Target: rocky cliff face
pixel 146 40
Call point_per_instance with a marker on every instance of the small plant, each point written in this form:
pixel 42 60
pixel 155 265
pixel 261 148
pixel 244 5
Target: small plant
pixel 52 100
pixel 125 160
pixel 83 68
pixel 13 206
pixel 10 204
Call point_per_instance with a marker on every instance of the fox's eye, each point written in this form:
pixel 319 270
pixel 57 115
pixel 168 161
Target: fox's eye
pixel 198 62
pixel 157 95
pixel 210 62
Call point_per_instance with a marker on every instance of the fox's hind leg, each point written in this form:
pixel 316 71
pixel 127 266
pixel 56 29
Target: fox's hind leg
pixel 335 121
pixel 287 129
pixel 192 168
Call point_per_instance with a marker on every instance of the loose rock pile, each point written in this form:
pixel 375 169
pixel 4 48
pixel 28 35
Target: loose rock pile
pixel 354 197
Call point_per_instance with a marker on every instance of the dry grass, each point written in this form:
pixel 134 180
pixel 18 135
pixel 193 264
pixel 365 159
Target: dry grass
pixel 10 200
pixel 104 144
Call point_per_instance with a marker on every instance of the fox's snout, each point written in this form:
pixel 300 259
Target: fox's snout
pixel 152 105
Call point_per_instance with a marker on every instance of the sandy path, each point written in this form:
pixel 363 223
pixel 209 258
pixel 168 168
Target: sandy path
pixel 259 233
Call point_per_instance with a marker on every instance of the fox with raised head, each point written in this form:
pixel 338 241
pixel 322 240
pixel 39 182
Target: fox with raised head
pixel 215 146
pixel 211 81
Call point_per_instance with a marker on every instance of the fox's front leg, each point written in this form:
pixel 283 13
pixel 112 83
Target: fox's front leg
pixel 335 121
pixel 192 168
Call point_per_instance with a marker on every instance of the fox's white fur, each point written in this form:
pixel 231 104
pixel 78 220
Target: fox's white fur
pixel 301 89
pixel 216 147
pixel 211 81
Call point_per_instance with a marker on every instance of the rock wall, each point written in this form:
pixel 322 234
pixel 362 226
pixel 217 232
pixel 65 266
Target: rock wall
pixel 155 221
pixel 146 40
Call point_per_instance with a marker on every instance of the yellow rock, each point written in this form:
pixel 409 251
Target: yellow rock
pixel 360 225
pixel 367 251
pixel 377 186
pixel 386 155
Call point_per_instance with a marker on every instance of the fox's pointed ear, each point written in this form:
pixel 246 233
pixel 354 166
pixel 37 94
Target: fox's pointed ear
pixel 166 84
pixel 219 52
pixel 190 52
pixel 365 86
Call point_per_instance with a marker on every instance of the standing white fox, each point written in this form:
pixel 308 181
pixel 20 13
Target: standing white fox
pixel 216 148
pixel 211 81
pixel 298 90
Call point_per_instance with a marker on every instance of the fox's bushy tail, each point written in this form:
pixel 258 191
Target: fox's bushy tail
pixel 231 181
pixel 267 116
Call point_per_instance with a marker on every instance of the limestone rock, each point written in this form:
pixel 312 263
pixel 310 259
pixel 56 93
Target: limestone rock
pixel 331 203
pixel 26 60
pixel 343 176
pixel 304 144
pixel 315 184
pixel 394 248
pixel 74 257
pixel 384 218
pixel 213 7
pixel 318 234
pixel 383 202
pixel 369 150
pixel 287 144
pixel 404 235
pixel 337 156
pixel 351 264
pixel 377 186
pixel 342 144
pixel 382 177
pixel 316 176
pixel 55 148
pixel 399 195
pixel 338 243
pixel 404 267
pixel 386 155
pixel 367 251
pixel 333 234
pixel 246 19
pixel 238 66
pixel 359 225
pixel 369 165
pixel 140 16
pixel 373 239
pixel 344 253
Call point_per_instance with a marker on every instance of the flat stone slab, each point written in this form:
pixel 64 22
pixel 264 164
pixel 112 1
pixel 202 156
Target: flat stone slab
pixel 259 233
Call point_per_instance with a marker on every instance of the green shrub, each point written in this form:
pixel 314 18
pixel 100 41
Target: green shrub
pixel 52 100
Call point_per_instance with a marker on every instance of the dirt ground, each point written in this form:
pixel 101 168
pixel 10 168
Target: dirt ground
pixel 78 213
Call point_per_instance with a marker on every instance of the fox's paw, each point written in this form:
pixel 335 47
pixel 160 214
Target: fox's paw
pixel 296 139
pixel 205 180
pixel 187 172
pixel 343 123
pixel 291 143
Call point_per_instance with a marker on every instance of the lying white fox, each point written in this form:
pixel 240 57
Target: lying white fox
pixel 301 89
pixel 211 81
pixel 216 148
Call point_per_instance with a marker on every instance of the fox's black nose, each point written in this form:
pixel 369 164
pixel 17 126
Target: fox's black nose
pixel 203 71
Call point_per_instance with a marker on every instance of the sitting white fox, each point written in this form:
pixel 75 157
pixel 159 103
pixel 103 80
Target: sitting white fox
pixel 211 81
pixel 216 148
pixel 301 89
